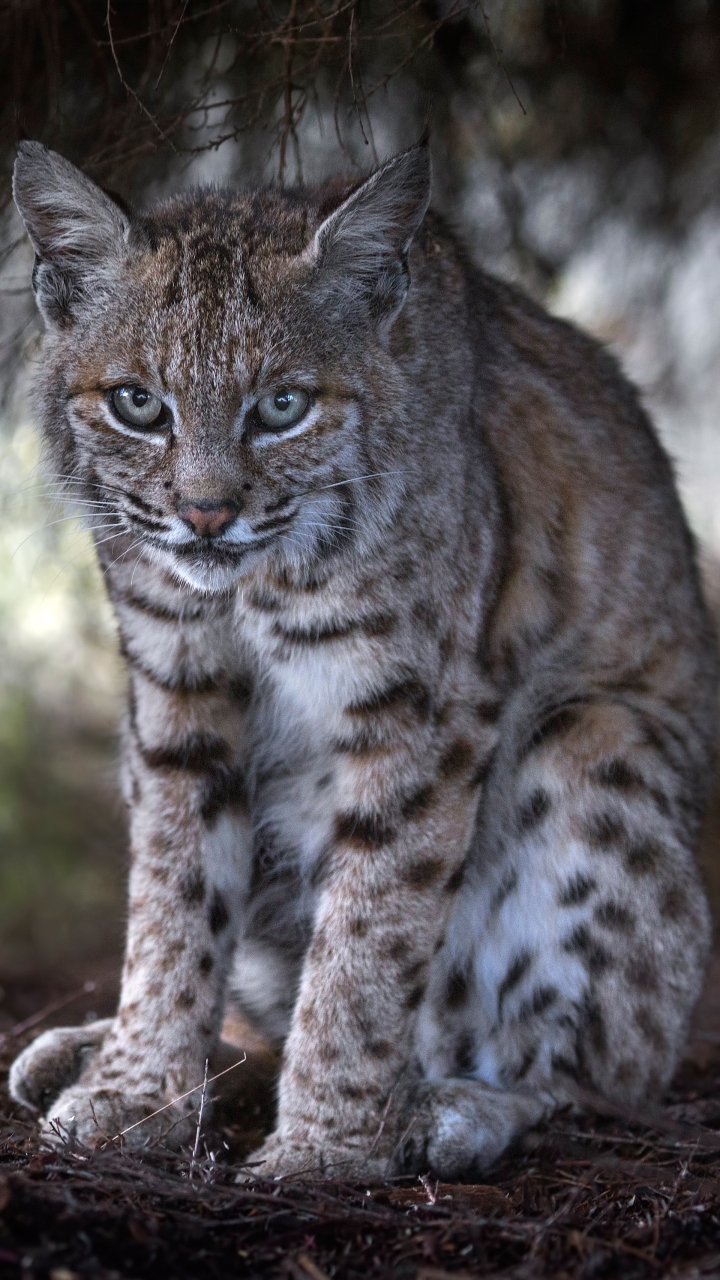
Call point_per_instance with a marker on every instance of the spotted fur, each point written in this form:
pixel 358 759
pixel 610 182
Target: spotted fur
pixel 417 748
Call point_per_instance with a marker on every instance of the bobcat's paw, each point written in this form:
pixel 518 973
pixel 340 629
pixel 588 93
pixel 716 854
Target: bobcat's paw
pixel 95 1115
pixel 54 1062
pixel 459 1128
pixel 282 1157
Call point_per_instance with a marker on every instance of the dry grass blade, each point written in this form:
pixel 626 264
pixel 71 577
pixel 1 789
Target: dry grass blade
pixel 203 1085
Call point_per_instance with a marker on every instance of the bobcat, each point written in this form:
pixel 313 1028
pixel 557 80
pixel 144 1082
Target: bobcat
pixel 422 690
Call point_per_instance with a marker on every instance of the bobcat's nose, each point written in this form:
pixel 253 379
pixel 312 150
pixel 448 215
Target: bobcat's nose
pixel 208 519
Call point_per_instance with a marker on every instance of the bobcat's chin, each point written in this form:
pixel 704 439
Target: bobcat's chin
pixel 203 572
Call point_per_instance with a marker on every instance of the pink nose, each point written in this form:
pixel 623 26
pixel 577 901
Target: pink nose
pixel 208 519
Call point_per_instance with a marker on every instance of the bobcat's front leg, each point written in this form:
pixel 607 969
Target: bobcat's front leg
pixel 346 1084
pixel 187 833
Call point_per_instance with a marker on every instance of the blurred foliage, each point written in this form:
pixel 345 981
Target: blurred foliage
pixel 61 827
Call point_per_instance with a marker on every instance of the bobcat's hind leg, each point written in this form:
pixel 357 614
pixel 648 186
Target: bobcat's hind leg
pixel 575 959
pixel 54 1062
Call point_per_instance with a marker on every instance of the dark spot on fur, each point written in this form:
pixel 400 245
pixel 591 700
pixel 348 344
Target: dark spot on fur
pixel 218 916
pixel 617 774
pixel 541 1000
pixel 225 789
pixel 457 989
pixel 378 1048
pixel 515 974
pixel 306 1016
pixel 418 803
pixel 594 1024
pixel 455 880
pixel 192 889
pixel 528 1059
pixel 179 681
pixel 457 759
pixel 565 1066
pixel 318 945
pixel 576 891
pixel 240 690
pixel 424 873
pixel 642 857
pixel 592 953
pixel 674 904
pixel 554 725
pixel 641 973
pixel 481 772
pixel 366 830
pixel 426 613
pixel 207 963
pixel 398 950
pixel 406 693
pixel 508 885
pixel 198 753
pixel 415 997
pixel 446 646
pixel 185 1000
pixel 409 976
pixel 359 927
pixel 534 809
pixel 465 1053
pixel 488 711
pixel 614 916
pixel 603 830
pixel 375 625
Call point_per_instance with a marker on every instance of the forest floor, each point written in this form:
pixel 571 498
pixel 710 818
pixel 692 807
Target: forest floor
pixel 587 1197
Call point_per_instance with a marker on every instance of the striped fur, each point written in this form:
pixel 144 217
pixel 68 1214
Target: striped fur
pixel 417 749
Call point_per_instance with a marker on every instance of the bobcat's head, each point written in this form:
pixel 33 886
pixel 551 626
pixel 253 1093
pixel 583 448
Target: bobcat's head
pixel 219 375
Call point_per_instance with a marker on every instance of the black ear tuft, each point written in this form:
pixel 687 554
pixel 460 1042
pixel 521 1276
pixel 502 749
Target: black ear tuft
pixel 365 242
pixel 76 229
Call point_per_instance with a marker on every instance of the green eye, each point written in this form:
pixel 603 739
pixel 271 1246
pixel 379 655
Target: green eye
pixel 137 407
pixel 283 408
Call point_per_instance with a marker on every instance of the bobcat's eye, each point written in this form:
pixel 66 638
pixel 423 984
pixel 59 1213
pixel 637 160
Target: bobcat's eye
pixel 283 408
pixel 137 407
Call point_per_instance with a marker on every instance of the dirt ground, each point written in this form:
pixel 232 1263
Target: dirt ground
pixel 596 1196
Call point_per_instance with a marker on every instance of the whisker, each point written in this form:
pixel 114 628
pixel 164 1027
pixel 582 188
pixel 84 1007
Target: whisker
pixel 49 525
pixel 132 547
pixel 90 484
pixel 111 536
pixel 373 475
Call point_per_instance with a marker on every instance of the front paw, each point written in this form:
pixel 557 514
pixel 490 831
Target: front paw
pixel 285 1157
pixel 101 1115
pixel 54 1062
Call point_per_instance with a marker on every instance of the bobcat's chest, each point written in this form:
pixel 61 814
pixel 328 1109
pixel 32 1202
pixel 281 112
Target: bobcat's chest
pixel 304 681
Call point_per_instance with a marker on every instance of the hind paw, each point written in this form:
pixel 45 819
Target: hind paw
pixel 54 1062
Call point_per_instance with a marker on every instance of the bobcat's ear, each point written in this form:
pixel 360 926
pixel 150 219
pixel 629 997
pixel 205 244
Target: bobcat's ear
pixel 361 249
pixel 75 228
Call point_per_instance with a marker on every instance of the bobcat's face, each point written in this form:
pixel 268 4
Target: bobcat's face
pixel 211 402
pixel 218 373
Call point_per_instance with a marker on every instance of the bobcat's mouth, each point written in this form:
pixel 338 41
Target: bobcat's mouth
pixel 215 552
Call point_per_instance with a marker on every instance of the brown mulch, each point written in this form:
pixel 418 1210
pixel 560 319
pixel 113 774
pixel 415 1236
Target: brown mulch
pixel 588 1197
